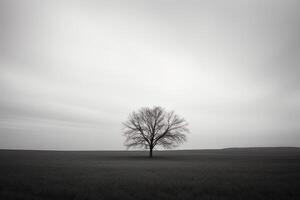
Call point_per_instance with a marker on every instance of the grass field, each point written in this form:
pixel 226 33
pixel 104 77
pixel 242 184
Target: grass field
pixel 253 173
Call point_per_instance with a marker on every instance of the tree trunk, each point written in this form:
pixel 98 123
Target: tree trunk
pixel 150 152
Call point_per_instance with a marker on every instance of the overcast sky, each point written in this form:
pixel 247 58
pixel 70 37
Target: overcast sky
pixel 72 71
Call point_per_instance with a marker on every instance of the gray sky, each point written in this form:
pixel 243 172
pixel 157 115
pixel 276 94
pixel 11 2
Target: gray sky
pixel 71 71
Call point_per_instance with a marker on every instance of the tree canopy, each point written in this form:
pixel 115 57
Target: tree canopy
pixel 151 127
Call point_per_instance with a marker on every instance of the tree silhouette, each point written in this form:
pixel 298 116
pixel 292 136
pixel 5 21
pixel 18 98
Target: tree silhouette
pixel 149 127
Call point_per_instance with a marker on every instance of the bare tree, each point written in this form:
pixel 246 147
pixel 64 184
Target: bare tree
pixel 149 127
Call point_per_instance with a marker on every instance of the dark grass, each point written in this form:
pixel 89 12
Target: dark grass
pixel 252 173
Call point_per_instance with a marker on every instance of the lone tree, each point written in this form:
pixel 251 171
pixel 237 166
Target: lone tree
pixel 149 127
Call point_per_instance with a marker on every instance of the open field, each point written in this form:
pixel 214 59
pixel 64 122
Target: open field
pixel 255 173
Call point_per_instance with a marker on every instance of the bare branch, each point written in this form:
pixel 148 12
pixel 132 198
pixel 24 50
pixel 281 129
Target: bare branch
pixel 149 127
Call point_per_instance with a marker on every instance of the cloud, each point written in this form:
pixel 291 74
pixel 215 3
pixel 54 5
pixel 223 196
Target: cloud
pixel 76 69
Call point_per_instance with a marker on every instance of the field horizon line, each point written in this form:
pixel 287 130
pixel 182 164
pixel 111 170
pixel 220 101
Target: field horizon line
pixel 158 150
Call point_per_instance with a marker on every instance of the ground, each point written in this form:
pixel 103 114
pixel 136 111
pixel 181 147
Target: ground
pixel 248 173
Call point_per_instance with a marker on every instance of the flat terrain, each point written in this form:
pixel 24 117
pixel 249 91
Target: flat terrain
pixel 251 173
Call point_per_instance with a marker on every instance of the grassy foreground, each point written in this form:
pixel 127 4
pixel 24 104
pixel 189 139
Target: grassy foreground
pixel 255 173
